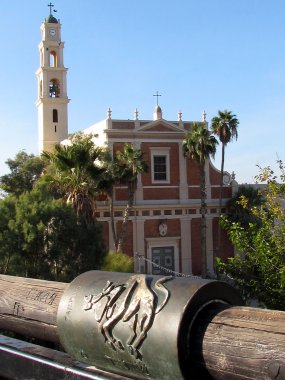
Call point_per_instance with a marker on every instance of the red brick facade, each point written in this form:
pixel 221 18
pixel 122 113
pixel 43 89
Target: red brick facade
pixel 173 202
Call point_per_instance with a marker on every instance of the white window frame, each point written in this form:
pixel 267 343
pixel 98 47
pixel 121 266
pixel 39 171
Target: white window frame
pixel 157 151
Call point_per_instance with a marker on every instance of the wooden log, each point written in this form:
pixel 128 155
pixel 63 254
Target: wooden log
pixel 240 343
pixel 29 306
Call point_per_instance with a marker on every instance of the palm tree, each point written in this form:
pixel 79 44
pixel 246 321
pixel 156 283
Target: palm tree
pixel 200 145
pixel 106 186
pixel 128 164
pixel 74 173
pixel 225 127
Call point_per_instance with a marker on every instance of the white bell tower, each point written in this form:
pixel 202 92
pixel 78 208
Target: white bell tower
pixel 52 90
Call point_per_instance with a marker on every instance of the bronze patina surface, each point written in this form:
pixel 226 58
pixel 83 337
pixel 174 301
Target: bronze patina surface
pixel 136 325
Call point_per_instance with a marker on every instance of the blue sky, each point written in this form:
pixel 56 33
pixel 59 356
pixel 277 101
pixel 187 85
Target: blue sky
pixel 203 54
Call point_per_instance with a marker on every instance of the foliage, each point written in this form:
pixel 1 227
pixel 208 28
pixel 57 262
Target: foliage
pixel 121 169
pixel 225 126
pixel 259 269
pixel 129 163
pixel 40 235
pixel 75 173
pixel 240 205
pixel 25 169
pixel 40 238
pixel 81 171
pixel 118 262
pixel 200 145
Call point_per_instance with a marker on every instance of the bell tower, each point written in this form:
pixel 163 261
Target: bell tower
pixel 52 98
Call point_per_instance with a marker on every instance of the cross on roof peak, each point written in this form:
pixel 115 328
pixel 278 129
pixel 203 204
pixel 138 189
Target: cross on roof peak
pixel 157 95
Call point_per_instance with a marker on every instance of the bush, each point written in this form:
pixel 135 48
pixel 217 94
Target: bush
pixel 118 262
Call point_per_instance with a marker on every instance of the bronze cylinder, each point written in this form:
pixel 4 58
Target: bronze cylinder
pixel 134 324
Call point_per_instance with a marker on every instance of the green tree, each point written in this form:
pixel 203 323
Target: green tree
pixel 240 205
pixel 258 269
pixel 40 238
pixel 200 145
pixel 129 163
pixel 121 169
pixel 225 126
pixel 75 173
pixel 25 169
pixel 10 242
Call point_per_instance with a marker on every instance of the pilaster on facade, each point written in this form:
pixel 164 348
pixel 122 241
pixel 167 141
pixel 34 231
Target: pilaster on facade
pixel 139 243
pixel 139 191
pixel 208 182
pixel 186 256
pixel 183 187
pixel 111 239
pixel 210 246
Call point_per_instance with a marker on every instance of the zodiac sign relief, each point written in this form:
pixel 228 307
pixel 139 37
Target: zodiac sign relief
pixel 136 302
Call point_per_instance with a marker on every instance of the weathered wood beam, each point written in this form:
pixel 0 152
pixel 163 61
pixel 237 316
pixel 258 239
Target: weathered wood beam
pixel 235 343
pixel 29 306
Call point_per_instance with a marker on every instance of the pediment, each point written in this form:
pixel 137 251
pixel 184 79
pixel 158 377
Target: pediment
pixel 160 125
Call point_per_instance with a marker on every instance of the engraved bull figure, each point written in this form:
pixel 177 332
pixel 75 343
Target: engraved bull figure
pixel 137 301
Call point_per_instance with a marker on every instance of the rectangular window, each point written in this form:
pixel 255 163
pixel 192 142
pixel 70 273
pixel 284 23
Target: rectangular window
pixel 159 168
pixel 54 116
pixel 160 165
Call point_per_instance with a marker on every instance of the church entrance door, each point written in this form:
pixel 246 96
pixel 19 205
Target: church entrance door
pixel 163 257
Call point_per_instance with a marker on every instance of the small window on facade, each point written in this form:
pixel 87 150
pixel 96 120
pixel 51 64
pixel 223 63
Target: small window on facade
pixel 159 168
pixel 54 116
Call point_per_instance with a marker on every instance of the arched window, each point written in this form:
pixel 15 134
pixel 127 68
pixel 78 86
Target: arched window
pixel 54 88
pixel 54 116
pixel 53 59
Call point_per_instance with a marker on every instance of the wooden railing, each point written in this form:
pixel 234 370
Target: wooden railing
pixel 133 326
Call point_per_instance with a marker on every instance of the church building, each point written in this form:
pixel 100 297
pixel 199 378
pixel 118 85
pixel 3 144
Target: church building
pixel 164 227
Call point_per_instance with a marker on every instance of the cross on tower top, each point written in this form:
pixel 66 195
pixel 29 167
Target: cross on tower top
pixel 157 95
pixel 50 5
